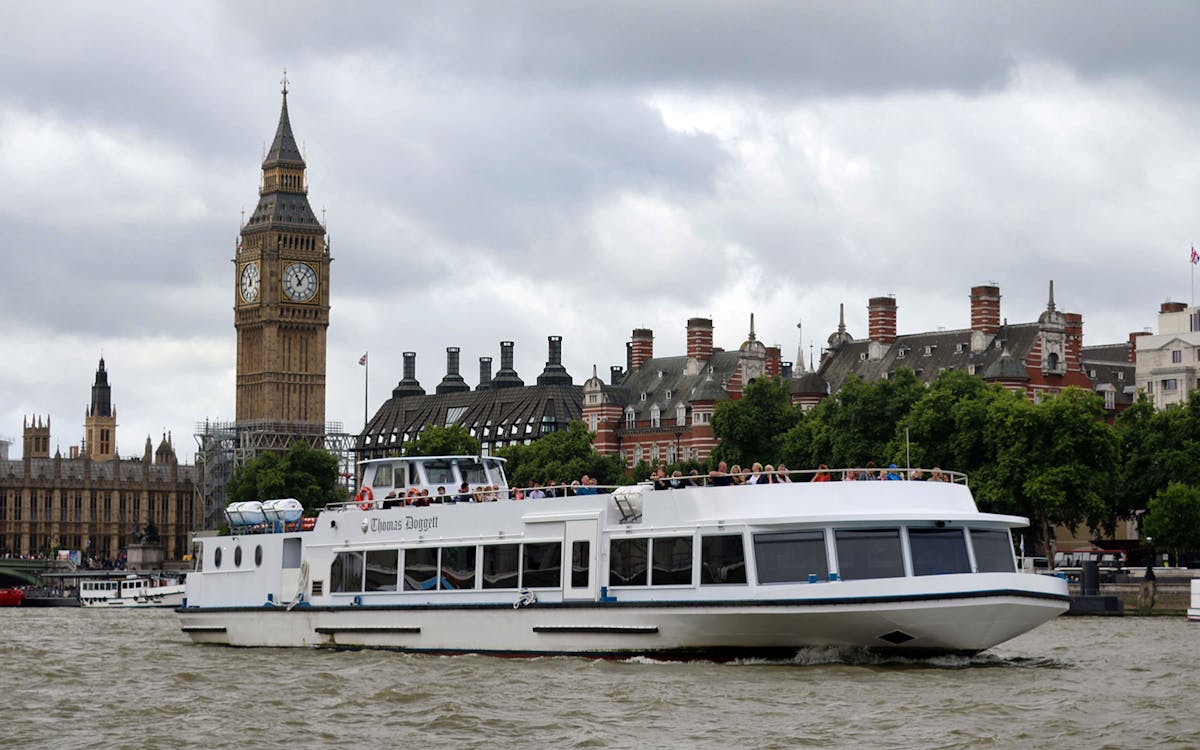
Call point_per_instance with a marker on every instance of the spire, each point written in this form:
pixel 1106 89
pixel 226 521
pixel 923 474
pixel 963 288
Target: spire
pixel 101 394
pixel 283 148
pixel 1050 304
pixel 800 348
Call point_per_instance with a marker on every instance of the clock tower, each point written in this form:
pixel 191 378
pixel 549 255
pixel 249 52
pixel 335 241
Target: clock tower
pixel 281 294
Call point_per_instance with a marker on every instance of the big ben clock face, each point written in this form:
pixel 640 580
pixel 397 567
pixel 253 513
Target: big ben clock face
pixel 299 282
pixel 249 282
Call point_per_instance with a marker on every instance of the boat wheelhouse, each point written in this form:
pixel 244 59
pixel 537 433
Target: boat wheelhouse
pixel 703 571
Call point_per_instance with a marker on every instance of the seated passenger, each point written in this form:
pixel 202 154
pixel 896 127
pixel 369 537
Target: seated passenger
pixel 916 475
pixel 422 499
pixel 783 474
pixel 536 493
pixel 850 475
pixel 464 493
pixel 937 476
pixel 440 497
pixel 892 474
pixel 822 474
pixel 719 477
pixel 868 473
pixel 756 475
pixel 585 486
pixel 736 475
pixel 694 479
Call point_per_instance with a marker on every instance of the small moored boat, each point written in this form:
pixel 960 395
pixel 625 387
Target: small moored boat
pixel 132 591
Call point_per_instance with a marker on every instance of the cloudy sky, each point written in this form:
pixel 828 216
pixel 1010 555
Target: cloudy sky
pixel 503 171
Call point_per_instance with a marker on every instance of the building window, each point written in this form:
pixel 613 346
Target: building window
pixel 1149 386
pixel 1170 384
pixel 629 419
pixel 1194 321
pixel 670 454
pixel 1121 373
pixel 1177 356
pixel 655 416
pixel 643 395
pixel 1110 400
pixel 653 453
pixel 680 415
pixel 1037 395
pixel 637 454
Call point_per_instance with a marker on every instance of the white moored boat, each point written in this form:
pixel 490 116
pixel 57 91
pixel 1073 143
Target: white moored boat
pixel 132 590
pixel 696 571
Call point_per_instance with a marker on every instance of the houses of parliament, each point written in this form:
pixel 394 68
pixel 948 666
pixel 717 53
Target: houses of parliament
pixel 99 502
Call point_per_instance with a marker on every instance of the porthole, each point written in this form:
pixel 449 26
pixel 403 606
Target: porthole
pixel 258 556
pixel 217 557
pixel 237 557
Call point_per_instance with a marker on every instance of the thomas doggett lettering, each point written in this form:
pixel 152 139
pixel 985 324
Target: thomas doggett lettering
pixel 407 523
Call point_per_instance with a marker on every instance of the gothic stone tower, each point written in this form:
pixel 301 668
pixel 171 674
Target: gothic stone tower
pixel 281 295
pixel 100 420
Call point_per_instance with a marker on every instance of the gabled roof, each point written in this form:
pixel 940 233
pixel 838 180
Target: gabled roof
pixel 661 376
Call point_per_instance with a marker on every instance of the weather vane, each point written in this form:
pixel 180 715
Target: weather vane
pixel 284 81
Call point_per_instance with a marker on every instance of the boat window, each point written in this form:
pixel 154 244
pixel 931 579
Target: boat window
pixel 472 471
pixel 346 573
pixel 722 559
pixel 237 556
pixel 216 557
pixel 501 566
pixel 938 551
pixel 458 568
pixel 291 553
pixel 258 555
pixel 495 468
pixel 993 551
pixel 869 553
pixel 438 472
pixel 382 570
pixel 791 556
pixel 420 569
pixel 627 562
pixel 542 565
pixel 672 562
pixel 383 476
pixel 580 563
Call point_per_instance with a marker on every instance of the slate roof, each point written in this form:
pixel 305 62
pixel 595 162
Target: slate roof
pixel 280 208
pixel 283 149
pixel 1109 368
pixel 667 383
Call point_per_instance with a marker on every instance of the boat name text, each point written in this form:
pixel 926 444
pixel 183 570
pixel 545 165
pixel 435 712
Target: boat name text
pixel 407 523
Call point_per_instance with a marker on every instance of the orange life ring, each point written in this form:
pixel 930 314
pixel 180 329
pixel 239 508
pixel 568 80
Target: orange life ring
pixel 365 498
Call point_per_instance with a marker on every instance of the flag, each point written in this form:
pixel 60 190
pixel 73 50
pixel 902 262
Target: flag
pixel 363 359
pixel 1195 256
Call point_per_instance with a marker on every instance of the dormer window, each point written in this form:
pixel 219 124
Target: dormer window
pixel 862 356
pixel 960 348
pixel 655 416
pixel 1120 375
pixel 643 395
pixel 668 395
pixel 629 417
pixel 930 349
pixel 681 415
pixel 902 352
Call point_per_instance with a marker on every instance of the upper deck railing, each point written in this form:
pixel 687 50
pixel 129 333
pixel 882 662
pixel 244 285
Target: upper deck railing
pixel 421 496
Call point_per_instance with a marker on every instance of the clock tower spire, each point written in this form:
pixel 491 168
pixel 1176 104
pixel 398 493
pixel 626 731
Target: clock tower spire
pixel 281 293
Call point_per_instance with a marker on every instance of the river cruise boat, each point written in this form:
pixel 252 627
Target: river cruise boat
pixel 132 591
pixel 698 571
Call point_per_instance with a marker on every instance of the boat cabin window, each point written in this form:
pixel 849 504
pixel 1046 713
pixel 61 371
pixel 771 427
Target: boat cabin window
pixel 472 471
pixel 993 551
pixel 722 559
pixel 216 557
pixel 869 553
pixel 237 556
pixel 383 476
pixel 791 556
pixel 671 562
pixel 382 570
pixel 258 556
pixel 627 560
pixel 438 472
pixel 580 563
pixel 501 566
pixel 495 469
pixel 938 551
pixel 346 573
pixel 420 569
pixel 542 565
pixel 458 568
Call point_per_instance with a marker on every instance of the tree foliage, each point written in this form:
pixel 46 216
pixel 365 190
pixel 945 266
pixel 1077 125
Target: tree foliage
pixel 308 474
pixel 454 440
pixel 1172 518
pixel 752 428
pixel 560 458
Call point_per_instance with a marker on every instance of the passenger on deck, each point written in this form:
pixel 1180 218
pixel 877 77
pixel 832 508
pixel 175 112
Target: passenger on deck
pixel 937 476
pixel 464 493
pixel 537 493
pixel 586 486
pixel 736 475
pixel 916 475
pixel 422 499
pixel 892 474
pixel 719 477
pixel 441 496
pixel 769 473
pixel 850 475
pixel 822 474
pixel 756 475
pixel 694 479
pixel 868 473
pixel 783 474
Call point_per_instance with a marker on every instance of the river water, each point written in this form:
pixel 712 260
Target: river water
pixel 87 678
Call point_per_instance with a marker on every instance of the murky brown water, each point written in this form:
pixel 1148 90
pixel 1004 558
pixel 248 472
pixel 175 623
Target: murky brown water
pixel 85 678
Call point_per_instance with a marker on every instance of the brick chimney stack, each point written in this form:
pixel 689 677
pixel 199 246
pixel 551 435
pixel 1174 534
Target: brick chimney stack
pixel 699 338
pixel 985 309
pixel 1172 307
pixel 453 381
pixel 485 374
pixel 641 347
pixel 1074 342
pixel 881 319
pixel 774 361
pixel 1133 337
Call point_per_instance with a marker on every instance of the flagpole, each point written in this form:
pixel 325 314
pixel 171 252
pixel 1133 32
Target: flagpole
pixel 366 375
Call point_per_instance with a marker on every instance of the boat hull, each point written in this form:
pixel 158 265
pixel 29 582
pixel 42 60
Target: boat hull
pixel 163 600
pixel 965 624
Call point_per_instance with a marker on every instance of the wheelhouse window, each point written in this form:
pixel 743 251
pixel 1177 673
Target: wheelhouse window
pixel 542 565
pixel 472 472
pixel 438 472
pixel 383 476
pixel 993 551
pixel 790 556
pixel 722 559
pixel 346 573
pixel 627 560
pixel 672 562
pixel 420 569
pixel 382 570
pixel 458 568
pixel 938 551
pixel 580 563
pixel 869 553
pixel 501 566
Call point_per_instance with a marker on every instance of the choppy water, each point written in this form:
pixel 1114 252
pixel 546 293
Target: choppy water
pixel 85 678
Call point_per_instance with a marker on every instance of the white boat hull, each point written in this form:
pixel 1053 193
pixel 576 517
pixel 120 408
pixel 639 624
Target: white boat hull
pixel 1193 613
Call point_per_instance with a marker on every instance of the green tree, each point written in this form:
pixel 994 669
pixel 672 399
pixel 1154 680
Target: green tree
pixel 561 457
pixel 1172 519
pixel 454 440
pixel 857 424
pixel 1054 462
pixel 1157 448
pixel 947 424
pixel 752 428
pixel 308 474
